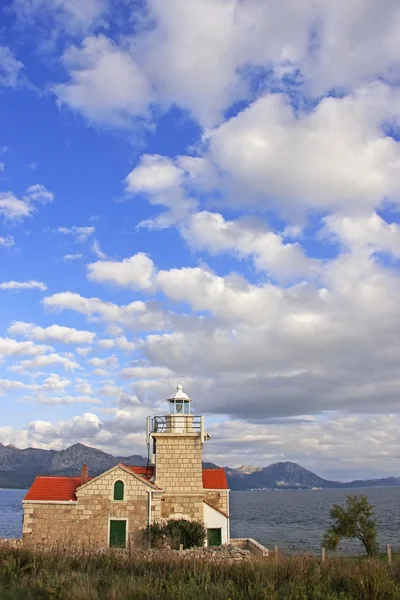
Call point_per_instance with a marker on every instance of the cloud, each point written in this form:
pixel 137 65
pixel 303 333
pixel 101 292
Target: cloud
pixel 100 363
pixel 38 193
pixel 71 16
pixel 96 249
pixel 54 333
pixel 106 85
pixel 163 182
pixel 106 343
pixel 55 383
pixel 137 316
pixel 14 209
pixel 80 234
pixel 9 385
pixel 247 237
pixel 56 400
pixel 23 285
pixel 10 347
pixel 68 257
pixel 135 272
pixel 10 69
pixel 7 242
pixel 333 157
pixel 45 360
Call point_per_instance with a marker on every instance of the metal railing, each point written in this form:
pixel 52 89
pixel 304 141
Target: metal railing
pixel 175 424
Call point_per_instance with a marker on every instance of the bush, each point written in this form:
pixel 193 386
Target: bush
pixel 177 532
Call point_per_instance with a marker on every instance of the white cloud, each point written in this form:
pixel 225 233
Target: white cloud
pixel 110 362
pixel 10 68
pixel 23 285
pixel 45 360
pixel 163 182
pixel 71 16
pixel 8 385
pixel 96 249
pixel 333 157
pixel 68 257
pixel 53 333
pixel 370 232
pixel 55 383
pixel 10 347
pixel 106 343
pixel 247 237
pixel 83 387
pixel 38 193
pixel 7 242
pixel 124 344
pixel 80 234
pixel 147 373
pixel 83 351
pixel 135 272
pixel 14 209
pixel 55 400
pixel 106 85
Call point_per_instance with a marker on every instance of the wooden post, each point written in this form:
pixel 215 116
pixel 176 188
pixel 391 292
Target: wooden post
pixel 180 547
pixel 389 553
pixel 323 554
pixel 276 553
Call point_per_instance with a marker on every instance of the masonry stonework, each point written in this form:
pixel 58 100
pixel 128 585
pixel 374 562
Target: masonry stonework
pixel 85 523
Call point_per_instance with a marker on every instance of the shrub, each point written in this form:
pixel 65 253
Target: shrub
pixel 176 532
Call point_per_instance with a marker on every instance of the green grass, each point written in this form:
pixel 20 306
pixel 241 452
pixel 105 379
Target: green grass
pixel 54 576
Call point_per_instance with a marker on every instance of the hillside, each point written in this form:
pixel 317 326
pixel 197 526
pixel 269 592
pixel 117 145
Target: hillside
pixel 18 468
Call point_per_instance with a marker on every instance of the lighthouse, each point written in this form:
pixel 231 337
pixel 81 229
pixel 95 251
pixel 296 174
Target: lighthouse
pixel 176 441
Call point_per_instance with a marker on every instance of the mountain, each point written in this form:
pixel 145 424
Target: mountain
pixel 289 475
pixel 18 468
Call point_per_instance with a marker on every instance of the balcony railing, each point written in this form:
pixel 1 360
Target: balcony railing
pixel 175 424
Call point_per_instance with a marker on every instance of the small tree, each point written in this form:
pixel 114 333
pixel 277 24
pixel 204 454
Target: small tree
pixel 356 520
pixel 176 532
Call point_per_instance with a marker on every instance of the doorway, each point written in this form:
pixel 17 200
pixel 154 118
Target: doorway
pixel 117 533
pixel 214 537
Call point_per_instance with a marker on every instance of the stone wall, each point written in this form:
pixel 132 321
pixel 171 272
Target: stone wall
pixel 85 523
pixel 179 462
pixel 181 506
pixel 217 499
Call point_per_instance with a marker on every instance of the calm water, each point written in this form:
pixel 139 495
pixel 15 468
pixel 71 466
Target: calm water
pixel 293 520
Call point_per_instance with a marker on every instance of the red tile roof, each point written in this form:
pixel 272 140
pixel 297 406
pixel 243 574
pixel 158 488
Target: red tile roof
pixel 63 488
pixel 146 472
pixel 54 488
pixel 214 479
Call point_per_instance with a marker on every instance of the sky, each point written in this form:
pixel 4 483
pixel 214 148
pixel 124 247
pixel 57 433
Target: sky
pixel 203 192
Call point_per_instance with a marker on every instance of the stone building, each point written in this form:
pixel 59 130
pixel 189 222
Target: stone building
pixel 111 509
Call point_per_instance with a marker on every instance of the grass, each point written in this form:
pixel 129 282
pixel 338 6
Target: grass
pixel 25 575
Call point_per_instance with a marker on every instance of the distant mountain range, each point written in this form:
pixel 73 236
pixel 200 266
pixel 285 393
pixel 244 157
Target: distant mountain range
pixel 18 468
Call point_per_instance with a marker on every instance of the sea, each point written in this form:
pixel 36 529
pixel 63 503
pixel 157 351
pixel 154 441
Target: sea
pixel 292 520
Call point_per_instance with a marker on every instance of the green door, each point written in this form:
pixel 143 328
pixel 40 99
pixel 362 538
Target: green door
pixel 117 534
pixel 214 537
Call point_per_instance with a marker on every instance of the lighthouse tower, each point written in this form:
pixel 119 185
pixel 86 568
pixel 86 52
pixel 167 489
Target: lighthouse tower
pixel 177 447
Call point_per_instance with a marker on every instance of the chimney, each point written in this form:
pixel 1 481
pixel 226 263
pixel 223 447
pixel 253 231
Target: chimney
pixel 84 474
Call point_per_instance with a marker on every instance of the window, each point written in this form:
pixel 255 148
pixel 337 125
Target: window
pixel 119 490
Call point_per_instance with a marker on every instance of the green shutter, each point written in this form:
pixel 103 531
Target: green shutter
pixel 117 534
pixel 214 537
pixel 119 490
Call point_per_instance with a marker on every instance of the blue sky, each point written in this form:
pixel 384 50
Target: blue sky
pixel 205 188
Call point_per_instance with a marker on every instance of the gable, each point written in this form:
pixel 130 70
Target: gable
pixel 118 471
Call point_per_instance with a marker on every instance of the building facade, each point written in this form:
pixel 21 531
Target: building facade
pixel 113 509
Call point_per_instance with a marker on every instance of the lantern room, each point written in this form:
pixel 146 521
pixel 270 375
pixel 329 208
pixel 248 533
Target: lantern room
pixel 179 402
